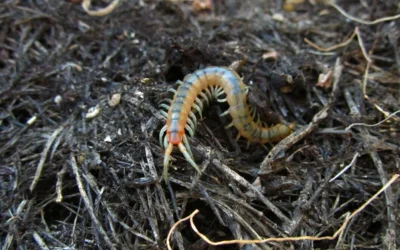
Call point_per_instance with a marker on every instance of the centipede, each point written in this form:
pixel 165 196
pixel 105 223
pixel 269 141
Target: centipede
pixel 199 88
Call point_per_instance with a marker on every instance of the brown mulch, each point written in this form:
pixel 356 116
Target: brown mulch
pixel 80 161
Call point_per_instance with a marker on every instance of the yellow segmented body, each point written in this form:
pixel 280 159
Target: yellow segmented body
pixel 204 85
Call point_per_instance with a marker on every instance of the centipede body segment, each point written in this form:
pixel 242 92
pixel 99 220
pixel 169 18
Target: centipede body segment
pixel 202 86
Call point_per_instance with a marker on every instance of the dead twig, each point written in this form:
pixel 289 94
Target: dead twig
pixel 289 141
pixel 391 208
pixel 44 156
pixel 372 125
pixel 100 12
pixel 257 192
pixel 160 190
pixel 332 47
pixel 88 203
pixel 356 155
pixel 284 239
pixel 354 34
pixel 355 19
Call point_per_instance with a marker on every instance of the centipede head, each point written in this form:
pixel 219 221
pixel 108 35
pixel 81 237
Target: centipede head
pixel 175 137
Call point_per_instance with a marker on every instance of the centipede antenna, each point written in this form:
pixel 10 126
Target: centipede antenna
pixel 229 125
pixel 188 157
pixel 224 114
pixel 162 132
pixel 187 145
pixel 189 129
pixel 167 154
pixel 172 90
pixel 198 110
pixel 193 116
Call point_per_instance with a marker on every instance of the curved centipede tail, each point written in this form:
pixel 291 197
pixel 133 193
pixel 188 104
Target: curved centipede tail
pixel 167 157
pixel 292 126
pixel 276 133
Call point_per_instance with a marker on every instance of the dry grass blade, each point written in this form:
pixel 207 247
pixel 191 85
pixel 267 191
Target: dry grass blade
pixel 101 12
pixel 300 238
pixel 76 177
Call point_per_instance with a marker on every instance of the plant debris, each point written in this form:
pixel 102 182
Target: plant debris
pixel 81 164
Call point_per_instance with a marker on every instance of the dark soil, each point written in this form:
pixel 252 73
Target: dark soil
pixel 69 181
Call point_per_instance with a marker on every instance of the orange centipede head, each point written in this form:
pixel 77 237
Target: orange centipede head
pixel 175 137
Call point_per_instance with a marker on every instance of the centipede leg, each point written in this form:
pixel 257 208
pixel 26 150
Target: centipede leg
pixel 163 113
pixel 209 93
pixel 167 100
pixel 193 116
pixel 166 160
pixel 221 100
pixel 198 110
pixel 164 105
pixel 165 141
pixel 252 113
pixel 162 132
pixel 191 123
pixel 229 125
pixel 200 103
pixel 172 90
pixel 205 97
pixel 246 90
pixel 258 121
pixel 188 157
pixel 188 128
pixel 224 114
pixel 187 145
pixel 237 137
pixel 218 91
